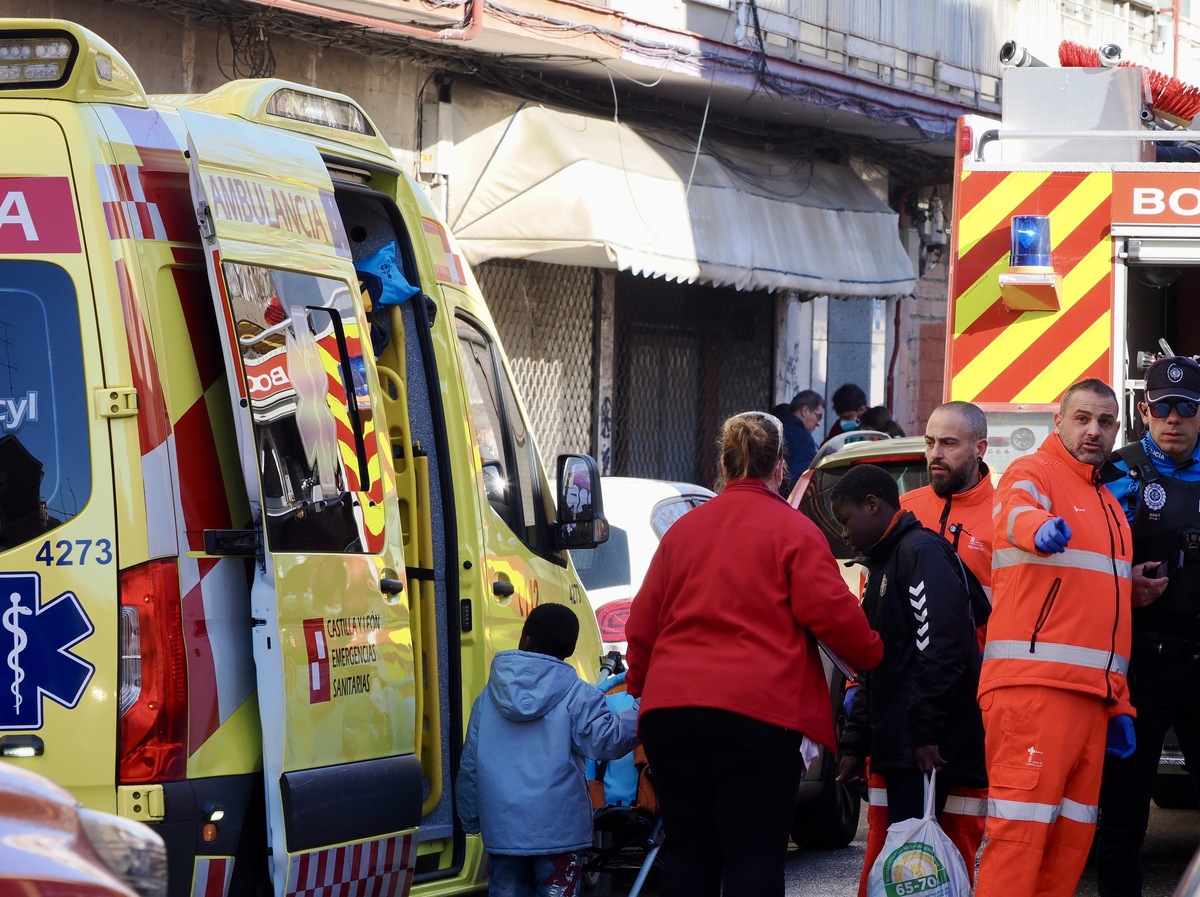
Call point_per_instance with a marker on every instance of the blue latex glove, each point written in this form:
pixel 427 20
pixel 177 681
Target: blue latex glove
pixel 848 700
pixel 1120 742
pixel 1053 536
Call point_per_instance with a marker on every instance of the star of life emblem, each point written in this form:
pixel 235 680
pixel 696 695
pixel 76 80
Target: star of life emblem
pixel 1155 496
pixel 36 661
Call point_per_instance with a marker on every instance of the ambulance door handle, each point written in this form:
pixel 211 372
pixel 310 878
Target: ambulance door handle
pixel 502 589
pixel 391 586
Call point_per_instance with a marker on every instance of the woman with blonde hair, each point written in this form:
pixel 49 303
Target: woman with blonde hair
pixel 723 654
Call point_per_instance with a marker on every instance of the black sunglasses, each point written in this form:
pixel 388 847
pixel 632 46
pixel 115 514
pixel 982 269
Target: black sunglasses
pixel 1163 409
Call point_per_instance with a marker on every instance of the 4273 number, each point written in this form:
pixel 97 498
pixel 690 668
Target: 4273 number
pixel 68 553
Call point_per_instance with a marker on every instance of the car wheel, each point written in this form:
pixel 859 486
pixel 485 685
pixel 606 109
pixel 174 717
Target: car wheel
pixel 1175 792
pixel 831 821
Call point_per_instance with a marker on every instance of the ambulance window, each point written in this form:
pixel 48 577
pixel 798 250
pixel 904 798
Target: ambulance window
pixel 45 465
pixel 306 380
pixel 526 458
pixel 489 426
pixel 502 438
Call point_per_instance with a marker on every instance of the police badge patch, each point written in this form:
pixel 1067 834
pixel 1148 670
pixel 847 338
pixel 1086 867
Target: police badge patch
pixel 1155 496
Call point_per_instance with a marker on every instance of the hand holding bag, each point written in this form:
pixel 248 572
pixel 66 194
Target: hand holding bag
pixel 918 858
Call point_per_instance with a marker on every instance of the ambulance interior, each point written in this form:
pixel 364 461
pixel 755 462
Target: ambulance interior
pixel 1162 303
pixel 401 343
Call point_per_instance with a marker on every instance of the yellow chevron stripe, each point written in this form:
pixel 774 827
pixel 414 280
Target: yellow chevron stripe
pixel 1064 219
pixel 1068 367
pixel 1031 326
pixel 996 208
pixel 979 296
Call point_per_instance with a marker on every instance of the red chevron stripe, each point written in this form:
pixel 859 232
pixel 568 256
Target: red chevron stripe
pixel 153 425
pixel 201 493
pixel 203 707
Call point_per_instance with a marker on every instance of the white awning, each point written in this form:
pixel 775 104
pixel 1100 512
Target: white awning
pixel 553 186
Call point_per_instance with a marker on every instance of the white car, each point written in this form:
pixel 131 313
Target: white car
pixel 639 512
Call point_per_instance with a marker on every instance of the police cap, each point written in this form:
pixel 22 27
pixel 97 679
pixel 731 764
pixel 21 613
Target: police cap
pixel 1173 377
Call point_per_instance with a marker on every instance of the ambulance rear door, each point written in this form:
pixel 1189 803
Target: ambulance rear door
pixel 332 638
pixel 58 541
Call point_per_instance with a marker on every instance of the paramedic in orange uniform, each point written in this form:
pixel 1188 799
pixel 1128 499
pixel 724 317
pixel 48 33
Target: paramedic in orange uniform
pixel 958 505
pixel 1053 690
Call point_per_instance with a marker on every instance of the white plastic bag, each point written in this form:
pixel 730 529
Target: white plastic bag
pixel 918 858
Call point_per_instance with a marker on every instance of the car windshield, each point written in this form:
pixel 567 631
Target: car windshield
pixel 909 472
pixel 607 564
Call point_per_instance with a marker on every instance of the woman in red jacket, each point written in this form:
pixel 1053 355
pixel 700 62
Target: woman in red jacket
pixel 722 651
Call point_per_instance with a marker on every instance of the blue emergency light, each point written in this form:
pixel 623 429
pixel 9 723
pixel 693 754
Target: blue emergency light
pixel 1030 241
pixel 1031 283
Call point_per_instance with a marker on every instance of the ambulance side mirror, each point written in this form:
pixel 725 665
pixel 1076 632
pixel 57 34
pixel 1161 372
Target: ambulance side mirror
pixel 580 522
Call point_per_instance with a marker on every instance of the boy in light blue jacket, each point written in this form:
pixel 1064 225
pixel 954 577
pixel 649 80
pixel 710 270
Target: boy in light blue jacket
pixel 521 780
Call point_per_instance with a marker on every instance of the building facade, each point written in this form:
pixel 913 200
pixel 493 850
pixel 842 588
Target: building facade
pixel 678 209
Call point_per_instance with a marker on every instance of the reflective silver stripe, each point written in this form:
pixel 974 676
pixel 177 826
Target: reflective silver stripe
pixel 966 806
pixel 1072 558
pixel 1012 518
pixel 877 797
pixel 1031 487
pixel 1085 813
pixel 1020 811
pixel 1072 655
pixel 987 590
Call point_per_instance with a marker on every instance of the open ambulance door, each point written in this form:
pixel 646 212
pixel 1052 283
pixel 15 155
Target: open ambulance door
pixel 332 640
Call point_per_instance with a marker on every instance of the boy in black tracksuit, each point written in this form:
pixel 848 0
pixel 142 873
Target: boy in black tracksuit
pixel 917 710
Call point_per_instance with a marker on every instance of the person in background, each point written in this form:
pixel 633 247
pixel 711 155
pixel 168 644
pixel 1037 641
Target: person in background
pixel 802 417
pixel 521 779
pixel 880 419
pixel 957 504
pixel 916 711
pixel 1157 482
pixel 849 401
pixel 723 655
pixel 1053 690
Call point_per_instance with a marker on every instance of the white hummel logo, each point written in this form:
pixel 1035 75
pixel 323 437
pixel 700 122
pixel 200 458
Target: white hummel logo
pixel 921 612
pixel 1078 510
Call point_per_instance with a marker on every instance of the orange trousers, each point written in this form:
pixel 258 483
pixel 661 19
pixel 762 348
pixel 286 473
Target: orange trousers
pixel 962 820
pixel 1045 754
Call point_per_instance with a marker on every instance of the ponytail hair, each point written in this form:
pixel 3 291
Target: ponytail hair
pixel 751 445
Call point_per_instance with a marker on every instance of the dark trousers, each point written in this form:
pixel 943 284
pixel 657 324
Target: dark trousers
pixel 1165 690
pixel 906 795
pixel 726 788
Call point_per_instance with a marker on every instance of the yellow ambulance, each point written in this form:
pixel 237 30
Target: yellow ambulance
pixel 269 502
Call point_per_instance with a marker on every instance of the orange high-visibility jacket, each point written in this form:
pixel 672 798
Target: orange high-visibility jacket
pixel 1059 620
pixel 963 519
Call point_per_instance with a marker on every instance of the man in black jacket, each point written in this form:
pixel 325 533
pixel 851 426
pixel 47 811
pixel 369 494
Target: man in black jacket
pixel 916 711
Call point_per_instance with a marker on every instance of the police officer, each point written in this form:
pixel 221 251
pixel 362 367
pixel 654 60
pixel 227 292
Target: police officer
pixel 1157 481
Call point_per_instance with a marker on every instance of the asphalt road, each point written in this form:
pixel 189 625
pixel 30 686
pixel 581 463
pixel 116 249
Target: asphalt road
pixel 1173 837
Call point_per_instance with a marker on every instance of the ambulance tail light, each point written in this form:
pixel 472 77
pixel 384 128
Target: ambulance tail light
pixel 152 675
